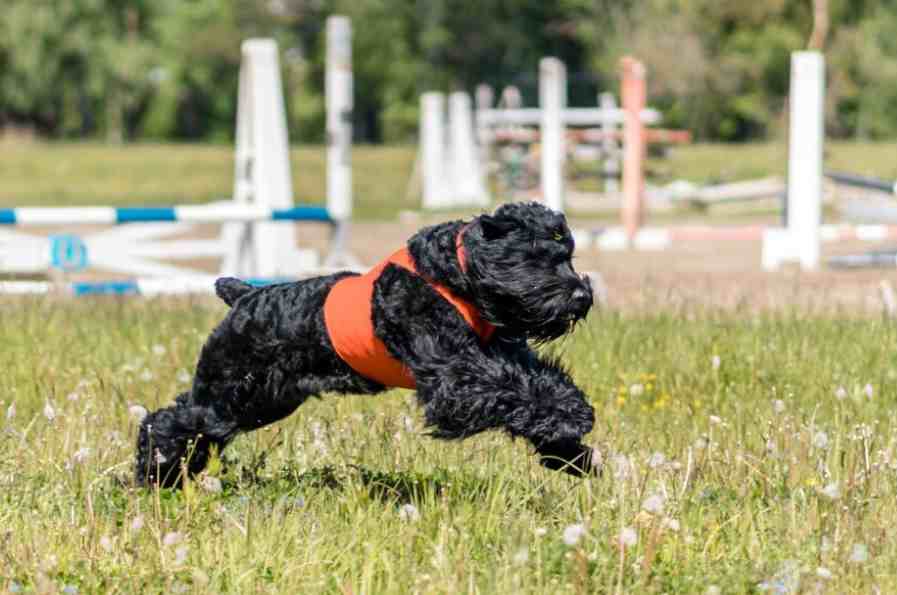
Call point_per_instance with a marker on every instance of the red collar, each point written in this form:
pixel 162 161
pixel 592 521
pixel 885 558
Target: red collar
pixel 459 249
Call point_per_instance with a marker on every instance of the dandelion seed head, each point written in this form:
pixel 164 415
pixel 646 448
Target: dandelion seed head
pixel 657 460
pixel 636 390
pixel 653 504
pixel 172 538
pixel 840 393
pixel 81 455
pixel 184 377
pixel 408 512
pixel 106 543
pixel 137 412
pixel 628 537
pixel 210 483
pixel 180 554
pixel 541 531
pixel 715 419
pixel 859 553
pixel 49 411
pixel 715 362
pixel 159 350
pixel 137 523
pixel 778 406
pixel 832 491
pixel 573 533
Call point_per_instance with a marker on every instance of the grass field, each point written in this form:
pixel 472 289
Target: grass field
pixel 39 174
pixel 743 453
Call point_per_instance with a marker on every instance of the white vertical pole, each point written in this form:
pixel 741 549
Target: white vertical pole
pixel 432 141
pixel 338 88
pixel 485 97
pixel 609 145
pixel 552 100
pixel 805 156
pixel 466 174
pixel 271 179
pixel 237 258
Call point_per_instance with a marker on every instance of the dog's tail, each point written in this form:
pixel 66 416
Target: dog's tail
pixel 230 289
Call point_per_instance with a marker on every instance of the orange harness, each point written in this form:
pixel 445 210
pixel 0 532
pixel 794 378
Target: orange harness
pixel 347 315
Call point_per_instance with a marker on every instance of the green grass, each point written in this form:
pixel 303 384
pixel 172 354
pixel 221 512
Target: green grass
pixel 80 174
pixel 42 174
pixel 323 501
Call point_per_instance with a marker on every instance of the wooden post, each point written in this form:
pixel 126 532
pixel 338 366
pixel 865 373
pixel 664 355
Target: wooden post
pixel 633 96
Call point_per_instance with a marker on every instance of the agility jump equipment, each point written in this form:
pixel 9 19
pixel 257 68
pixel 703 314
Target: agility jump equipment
pixel 253 241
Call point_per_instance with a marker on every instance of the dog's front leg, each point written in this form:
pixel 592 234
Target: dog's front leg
pixel 466 389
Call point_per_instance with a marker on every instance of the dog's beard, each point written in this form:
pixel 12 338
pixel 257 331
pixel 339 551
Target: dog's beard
pixel 540 313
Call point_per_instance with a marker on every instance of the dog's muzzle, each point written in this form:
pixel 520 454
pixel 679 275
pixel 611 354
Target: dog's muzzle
pixel 581 298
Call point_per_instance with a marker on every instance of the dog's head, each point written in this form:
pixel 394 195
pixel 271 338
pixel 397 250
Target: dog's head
pixel 519 268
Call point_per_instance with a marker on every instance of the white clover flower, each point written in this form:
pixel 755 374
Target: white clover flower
pixel 859 553
pixel 653 504
pixel 778 406
pixel 49 411
pixel 573 533
pixel 658 459
pixel 715 362
pixel 868 391
pixel 832 491
pixel 628 537
pixel 172 538
pixel 137 412
pixel 159 350
pixel 820 440
pixel 409 512
pixel 840 393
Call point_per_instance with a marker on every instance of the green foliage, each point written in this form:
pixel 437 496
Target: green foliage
pixel 167 69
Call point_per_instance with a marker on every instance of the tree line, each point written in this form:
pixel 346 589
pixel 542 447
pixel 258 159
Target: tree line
pixel 167 69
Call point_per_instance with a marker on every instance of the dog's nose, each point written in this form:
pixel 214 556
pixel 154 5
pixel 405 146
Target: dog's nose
pixel 581 298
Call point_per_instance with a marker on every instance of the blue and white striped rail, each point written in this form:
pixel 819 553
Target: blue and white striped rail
pixel 143 287
pixel 230 213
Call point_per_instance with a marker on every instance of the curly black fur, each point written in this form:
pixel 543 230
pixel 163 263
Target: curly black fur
pixel 272 350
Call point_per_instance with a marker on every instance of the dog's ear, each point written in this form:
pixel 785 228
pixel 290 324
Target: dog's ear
pixel 495 227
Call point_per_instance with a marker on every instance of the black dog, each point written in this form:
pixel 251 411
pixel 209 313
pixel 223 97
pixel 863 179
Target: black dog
pixel 453 318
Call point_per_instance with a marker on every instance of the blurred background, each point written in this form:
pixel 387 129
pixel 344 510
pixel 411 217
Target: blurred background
pixel 132 70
